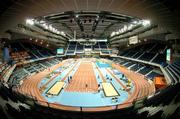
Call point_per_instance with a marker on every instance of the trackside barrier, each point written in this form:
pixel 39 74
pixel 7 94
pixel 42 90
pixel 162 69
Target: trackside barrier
pixel 32 101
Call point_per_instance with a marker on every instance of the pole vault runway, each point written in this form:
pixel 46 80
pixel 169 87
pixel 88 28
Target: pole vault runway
pixel 84 79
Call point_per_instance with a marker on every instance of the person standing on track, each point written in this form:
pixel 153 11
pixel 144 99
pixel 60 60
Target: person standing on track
pixel 86 85
pixel 68 80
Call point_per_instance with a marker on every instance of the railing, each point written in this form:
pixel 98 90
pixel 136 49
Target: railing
pixel 32 100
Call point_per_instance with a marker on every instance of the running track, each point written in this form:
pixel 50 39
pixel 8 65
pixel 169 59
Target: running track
pixel 83 76
pixel 142 86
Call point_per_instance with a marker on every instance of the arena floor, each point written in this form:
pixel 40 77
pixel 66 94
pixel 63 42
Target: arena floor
pixel 82 89
pixel 87 83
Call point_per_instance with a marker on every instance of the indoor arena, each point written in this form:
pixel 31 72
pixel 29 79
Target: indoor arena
pixel 89 59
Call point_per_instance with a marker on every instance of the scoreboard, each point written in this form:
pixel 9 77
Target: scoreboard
pixel 60 51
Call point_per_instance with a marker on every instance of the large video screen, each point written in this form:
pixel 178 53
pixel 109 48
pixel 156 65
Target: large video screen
pixel 60 51
pixel 168 55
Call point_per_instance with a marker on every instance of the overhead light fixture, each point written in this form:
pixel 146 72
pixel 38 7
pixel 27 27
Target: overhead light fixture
pixel 131 26
pixel 77 15
pixel 97 18
pixel 30 21
pixel 62 33
pixel 50 27
pixel 45 25
pixel 125 28
pixel 113 33
pixel 146 22
pixel 117 32
pixel 41 22
pixel 135 22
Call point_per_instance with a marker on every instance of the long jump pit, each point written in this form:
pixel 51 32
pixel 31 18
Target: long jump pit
pixel 109 90
pixel 56 88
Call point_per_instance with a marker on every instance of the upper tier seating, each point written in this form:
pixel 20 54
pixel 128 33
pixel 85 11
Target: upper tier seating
pixel 20 56
pixel 75 47
pixel 145 70
pixel 151 52
pixel 25 51
pixel 160 58
pixel 155 54
pixel 71 48
pixel 80 48
pixel 137 67
pixel 96 47
pixel 102 45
